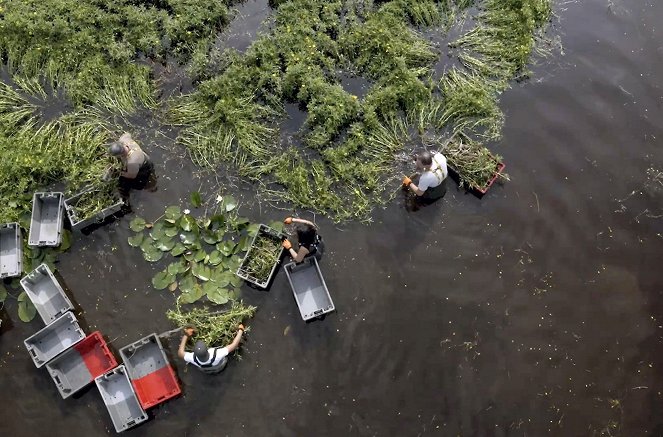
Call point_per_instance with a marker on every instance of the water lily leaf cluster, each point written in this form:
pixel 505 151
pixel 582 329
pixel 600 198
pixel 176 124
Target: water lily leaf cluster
pixel 203 253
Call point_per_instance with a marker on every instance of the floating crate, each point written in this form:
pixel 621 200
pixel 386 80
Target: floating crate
pixel 309 288
pixel 54 339
pixel 46 293
pixel 11 250
pixel 79 365
pixel 47 219
pixel 480 191
pixel 151 375
pixel 278 239
pixel 120 399
pixel 82 222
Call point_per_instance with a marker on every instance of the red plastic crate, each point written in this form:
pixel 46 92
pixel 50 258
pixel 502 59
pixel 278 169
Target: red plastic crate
pixel 156 387
pixel 500 167
pixel 96 355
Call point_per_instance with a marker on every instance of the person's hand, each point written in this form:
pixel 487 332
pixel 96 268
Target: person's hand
pixel 286 245
pixel 189 331
pixel 288 220
pixel 407 181
pixel 240 326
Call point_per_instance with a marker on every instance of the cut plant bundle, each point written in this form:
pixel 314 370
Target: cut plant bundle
pixel 215 328
pixel 262 257
pixel 93 202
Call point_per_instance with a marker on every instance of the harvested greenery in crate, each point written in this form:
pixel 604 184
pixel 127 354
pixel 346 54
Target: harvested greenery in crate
pixel 262 257
pixel 95 199
pixel 215 328
pixel 475 165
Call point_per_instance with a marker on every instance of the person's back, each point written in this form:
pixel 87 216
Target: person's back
pixel 436 174
pixel 212 360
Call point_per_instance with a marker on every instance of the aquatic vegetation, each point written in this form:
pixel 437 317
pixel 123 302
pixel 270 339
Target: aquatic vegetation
pixel 215 328
pixel 262 257
pixel 95 199
pixel 205 251
pixel 347 156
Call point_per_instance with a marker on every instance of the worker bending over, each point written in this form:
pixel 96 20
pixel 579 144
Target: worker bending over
pixel 308 240
pixel 430 184
pixel 137 170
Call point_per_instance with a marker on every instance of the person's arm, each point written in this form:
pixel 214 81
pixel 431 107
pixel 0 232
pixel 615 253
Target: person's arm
pixel 305 222
pixel 188 332
pixel 238 337
pixel 297 256
pixel 416 190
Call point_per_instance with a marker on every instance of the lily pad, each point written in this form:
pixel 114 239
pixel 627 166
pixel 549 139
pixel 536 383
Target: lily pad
pixel 136 240
pixel 188 237
pixel 192 295
pixel 215 258
pixel 26 310
pixel 187 283
pixel 252 230
pixel 137 224
pixel 153 256
pixel 233 294
pixel 226 248
pixel 217 221
pixel 229 203
pixel 147 245
pixel 173 213
pixel 66 240
pixel 171 231
pixel 244 243
pixel 162 280
pixel 178 249
pixel 240 223
pixel 165 245
pixel 158 231
pixel 236 281
pixel 200 256
pixel 201 271
pixel 177 267
pixel 216 294
pixel 187 223
pixel 210 237
pixel 3 293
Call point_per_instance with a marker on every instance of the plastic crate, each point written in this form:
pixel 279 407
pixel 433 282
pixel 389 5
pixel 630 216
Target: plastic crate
pixel 151 375
pixel 47 218
pixel 46 293
pixel 79 365
pixel 120 399
pixel 480 191
pixel 81 222
pixel 54 339
pixel 309 288
pixel 241 271
pixel 11 250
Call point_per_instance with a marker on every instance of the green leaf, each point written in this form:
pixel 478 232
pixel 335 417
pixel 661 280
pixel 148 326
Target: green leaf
pixel 187 223
pixel 66 240
pixel 137 224
pixel 217 221
pixel 210 237
pixel 252 230
pixel 229 203
pixel 244 243
pixel 196 199
pixel 153 256
pixel 26 310
pixel 173 213
pixel 201 272
pixel 171 231
pixel 178 249
pixel 199 256
pixel 147 245
pixel 277 226
pixel 216 294
pixel 222 277
pixel 226 247
pixel 177 267
pixel 165 244
pixel 136 240
pixel 191 296
pixel 240 223
pixel 215 258
pixel 236 281
pixel 187 283
pixel 233 294
pixel 162 280
pixel 158 231
pixel 188 237
pixel 3 293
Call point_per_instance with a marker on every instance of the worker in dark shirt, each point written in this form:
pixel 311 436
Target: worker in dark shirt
pixel 309 241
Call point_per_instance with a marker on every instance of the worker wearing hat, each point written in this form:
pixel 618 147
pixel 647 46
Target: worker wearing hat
pixel 208 360
pixel 137 170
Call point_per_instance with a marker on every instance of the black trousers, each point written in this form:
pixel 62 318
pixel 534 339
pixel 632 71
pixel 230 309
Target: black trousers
pixel 145 175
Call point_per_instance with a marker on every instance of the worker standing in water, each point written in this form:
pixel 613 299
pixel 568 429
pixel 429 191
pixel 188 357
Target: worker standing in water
pixel 208 360
pixel 308 240
pixel 137 170
pixel 430 184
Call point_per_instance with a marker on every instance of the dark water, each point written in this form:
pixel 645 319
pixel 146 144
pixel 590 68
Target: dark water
pixel 537 310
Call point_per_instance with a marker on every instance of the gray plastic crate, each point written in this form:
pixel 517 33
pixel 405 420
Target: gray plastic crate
pixel 120 399
pixel 309 288
pixel 47 219
pixel 11 250
pixel 244 274
pixel 54 339
pixel 144 356
pixel 79 365
pixel 46 293
pixel 82 222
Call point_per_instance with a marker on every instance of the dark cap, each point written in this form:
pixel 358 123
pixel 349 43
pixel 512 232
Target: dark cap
pixel 116 148
pixel 200 351
pixel 425 158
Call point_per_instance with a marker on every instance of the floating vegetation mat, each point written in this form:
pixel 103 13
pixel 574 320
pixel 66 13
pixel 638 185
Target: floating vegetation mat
pixel 346 162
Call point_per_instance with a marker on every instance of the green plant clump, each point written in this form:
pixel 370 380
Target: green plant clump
pixel 215 328
pixel 475 165
pixel 262 257
pixel 95 199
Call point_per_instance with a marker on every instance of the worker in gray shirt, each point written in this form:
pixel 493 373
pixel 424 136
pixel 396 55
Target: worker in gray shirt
pixel 137 170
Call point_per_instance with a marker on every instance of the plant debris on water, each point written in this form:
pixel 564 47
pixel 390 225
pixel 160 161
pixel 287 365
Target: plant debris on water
pixel 95 199
pixel 215 328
